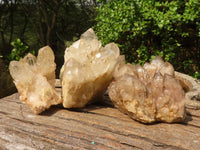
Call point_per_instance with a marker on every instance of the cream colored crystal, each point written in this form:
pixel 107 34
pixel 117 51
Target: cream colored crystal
pixel 35 80
pixel 149 93
pixel 87 70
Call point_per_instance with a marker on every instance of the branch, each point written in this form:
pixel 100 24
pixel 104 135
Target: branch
pixel 40 25
pixel 28 14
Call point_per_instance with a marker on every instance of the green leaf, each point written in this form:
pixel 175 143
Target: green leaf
pixel 160 24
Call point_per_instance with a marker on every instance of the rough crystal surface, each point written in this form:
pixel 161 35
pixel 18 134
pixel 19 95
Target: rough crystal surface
pixel 149 93
pixel 87 70
pixel 35 79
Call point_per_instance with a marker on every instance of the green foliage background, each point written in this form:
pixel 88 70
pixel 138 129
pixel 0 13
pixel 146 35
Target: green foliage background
pixel 146 28
pixel 19 50
pixel 26 26
pixel 141 28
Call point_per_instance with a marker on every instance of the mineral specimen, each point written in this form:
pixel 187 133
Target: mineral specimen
pixel 35 80
pixel 87 70
pixel 149 93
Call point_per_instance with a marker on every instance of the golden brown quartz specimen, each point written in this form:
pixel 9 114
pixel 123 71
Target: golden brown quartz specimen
pixel 35 80
pixel 149 93
pixel 87 70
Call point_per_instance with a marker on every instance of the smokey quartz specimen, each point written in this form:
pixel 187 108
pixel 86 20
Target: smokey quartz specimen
pixel 87 70
pixel 35 80
pixel 149 93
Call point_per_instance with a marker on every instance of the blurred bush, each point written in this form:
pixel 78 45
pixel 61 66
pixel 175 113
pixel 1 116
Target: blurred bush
pixel 144 29
pixel 19 50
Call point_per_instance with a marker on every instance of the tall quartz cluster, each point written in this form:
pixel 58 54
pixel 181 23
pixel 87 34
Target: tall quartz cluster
pixel 149 93
pixel 35 80
pixel 87 70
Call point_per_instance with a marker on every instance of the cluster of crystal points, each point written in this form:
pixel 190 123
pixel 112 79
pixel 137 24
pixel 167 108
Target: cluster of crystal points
pixel 149 93
pixel 87 70
pixel 35 80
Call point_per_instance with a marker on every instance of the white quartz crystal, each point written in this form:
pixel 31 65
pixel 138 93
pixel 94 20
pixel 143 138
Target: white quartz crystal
pixel 87 70
pixel 35 80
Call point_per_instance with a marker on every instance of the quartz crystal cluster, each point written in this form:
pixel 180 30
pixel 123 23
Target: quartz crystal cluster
pixel 87 70
pixel 149 93
pixel 35 80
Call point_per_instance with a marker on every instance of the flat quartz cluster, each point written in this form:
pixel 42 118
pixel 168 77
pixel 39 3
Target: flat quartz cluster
pixel 87 70
pixel 35 80
pixel 149 93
